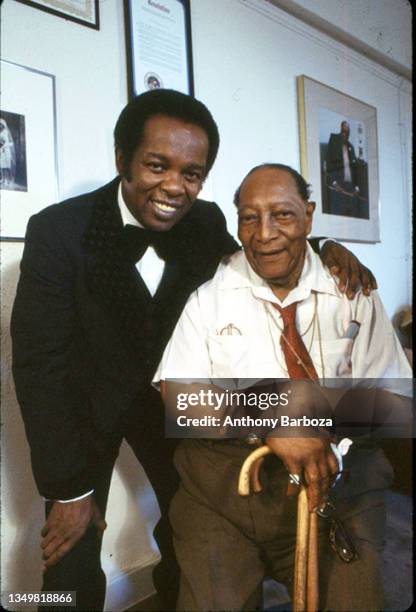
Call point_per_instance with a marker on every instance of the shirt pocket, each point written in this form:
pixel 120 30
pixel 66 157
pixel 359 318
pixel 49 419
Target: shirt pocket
pixel 230 356
pixel 336 358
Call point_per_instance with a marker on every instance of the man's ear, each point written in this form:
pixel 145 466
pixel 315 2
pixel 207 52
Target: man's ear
pixel 121 166
pixel 119 161
pixel 310 209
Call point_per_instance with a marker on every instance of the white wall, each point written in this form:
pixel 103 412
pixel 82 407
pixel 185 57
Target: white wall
pixel 384 25
pixel 247 55
pixel 252 78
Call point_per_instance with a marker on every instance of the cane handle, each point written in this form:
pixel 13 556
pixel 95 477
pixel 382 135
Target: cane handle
pixel 244 479
pixel 255 484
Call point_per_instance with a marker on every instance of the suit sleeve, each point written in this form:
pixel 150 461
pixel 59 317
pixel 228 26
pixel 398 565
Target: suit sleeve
pixel 353 156
pixel 44 332
pixel 334 161
pixel 314 242
pixel 226 243
pixel 353 164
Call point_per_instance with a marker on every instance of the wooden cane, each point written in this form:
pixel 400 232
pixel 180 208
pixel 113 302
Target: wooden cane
pixel 305 594
pixel 301 553
pixel 312 585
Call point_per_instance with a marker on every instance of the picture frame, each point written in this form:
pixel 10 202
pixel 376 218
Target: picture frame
pixel 84 12
pixel 28 162
pixel 339 158
pixel 158 45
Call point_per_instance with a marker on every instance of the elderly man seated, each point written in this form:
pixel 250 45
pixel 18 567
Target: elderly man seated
pixel 284 318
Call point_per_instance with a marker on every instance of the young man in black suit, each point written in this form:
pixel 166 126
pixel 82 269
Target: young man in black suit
pixel 104 278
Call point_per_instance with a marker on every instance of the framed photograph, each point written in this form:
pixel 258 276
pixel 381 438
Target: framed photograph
pixel 28 162
pixel 338 147
pixel 159 45
pixel 85 12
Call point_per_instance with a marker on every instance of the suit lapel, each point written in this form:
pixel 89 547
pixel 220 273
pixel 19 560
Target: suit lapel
pixel 145 324
pixel 111 279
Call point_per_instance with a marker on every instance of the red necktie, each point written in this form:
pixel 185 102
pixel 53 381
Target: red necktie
pixel 298 361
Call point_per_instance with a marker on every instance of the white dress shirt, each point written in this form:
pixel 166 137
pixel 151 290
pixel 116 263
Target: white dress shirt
pixel 346 160
pixel 150 266
pixel 239 302
pixel 201 350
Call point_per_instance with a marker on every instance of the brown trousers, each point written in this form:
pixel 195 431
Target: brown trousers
pixel 226 545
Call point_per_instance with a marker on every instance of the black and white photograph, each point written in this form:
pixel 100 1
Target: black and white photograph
pixel 29 171
pixel 13 175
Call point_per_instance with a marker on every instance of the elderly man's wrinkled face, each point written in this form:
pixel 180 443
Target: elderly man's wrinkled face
pixel 273 223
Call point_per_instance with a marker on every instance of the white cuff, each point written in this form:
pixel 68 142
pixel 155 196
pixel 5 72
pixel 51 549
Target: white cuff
pixel 68 501
pixel 340 451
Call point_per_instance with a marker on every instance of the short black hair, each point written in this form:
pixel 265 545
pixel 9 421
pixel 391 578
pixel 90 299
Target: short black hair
pixel 129 128
pixel 304 189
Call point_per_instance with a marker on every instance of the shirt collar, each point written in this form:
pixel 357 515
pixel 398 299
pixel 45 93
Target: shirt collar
pixel 126 216
pixel 315 277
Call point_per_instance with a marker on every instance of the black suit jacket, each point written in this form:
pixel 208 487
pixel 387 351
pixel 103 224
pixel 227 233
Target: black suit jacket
pixel 335 159
pixel 86 333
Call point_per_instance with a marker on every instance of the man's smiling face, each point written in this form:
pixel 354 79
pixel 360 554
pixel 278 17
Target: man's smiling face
pixel 273 224
pixel 166 172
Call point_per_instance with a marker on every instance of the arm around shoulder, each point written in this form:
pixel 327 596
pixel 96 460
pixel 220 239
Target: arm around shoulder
pixel 214 225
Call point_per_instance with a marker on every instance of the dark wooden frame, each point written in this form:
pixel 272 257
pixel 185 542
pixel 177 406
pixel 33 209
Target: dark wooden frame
pixel 132 91
pixel 52 11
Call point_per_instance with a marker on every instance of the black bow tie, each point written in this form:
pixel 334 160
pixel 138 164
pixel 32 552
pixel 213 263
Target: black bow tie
pixel 137 239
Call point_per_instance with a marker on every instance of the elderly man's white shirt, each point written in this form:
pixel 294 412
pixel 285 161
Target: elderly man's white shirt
pixel 237 297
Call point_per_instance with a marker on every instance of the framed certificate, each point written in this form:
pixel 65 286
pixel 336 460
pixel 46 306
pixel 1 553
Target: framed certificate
pixel 159 45
pixel 84 12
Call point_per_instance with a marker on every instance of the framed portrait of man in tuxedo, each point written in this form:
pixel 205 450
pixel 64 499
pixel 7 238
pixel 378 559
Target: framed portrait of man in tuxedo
pixel 338 148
